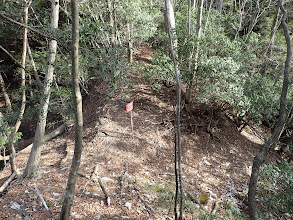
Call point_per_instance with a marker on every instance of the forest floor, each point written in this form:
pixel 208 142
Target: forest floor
pixel 214 164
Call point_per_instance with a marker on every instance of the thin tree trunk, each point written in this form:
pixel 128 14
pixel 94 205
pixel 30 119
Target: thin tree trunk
pixel 269 50
pixel 111 21
pixel 189 18
pixel 130 43
pixel 198 34
pixel 220 6
pixel 5 94
pixel 207 21
pixel 70 189
pixel 36 75
pixel 261 155
pixel 241 11
pixel 33 162
pixel 178 134
pixel 23 96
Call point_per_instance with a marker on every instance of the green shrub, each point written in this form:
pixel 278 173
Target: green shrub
pixel 276 190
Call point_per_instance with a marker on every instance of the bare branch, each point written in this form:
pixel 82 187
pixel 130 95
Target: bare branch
pixel 25 26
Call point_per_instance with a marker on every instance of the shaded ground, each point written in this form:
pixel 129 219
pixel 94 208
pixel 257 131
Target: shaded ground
pixel 217 164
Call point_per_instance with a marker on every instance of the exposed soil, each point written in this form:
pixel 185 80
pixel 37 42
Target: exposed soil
pixel 215 163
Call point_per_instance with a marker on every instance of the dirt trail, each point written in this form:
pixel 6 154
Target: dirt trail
pixel 217 165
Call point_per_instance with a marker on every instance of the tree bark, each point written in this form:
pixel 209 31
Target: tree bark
pixel 261 155
pixel 5 94
pixel 23 96
pixel 70 189
pixel 31 169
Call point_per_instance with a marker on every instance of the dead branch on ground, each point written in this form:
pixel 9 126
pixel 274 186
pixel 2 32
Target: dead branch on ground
pixel 95 177
pixel 123 178
pixel 41 198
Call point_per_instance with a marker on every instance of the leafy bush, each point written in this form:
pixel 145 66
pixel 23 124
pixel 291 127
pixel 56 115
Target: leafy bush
pixel 5 131
pixel 159 70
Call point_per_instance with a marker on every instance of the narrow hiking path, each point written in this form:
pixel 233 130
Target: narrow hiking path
pixel 216 164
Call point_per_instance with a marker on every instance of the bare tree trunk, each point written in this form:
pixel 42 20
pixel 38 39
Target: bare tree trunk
pixel 269 50
pixel 36 75
pixel 23 96
pixel 261 155
pixel 220 6
pixel 70 189
pixel 32 165
pixel 130 43
pixel 178 134
pixel 241 12
pixel 5 94
pixel 189 18
pixel 207 21
pixel 111 21
pixel 198 34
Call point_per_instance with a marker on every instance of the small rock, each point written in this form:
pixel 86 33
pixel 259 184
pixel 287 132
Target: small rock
pixel 107 179
pixel 56 194
pixel 207 163
pixel 15 205
pixel 128 205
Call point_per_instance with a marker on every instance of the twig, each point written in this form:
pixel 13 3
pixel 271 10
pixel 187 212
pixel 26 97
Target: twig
pixel 41 197
pixel 26 26
pixel 215 207
pixel 12 57
pixel 6 183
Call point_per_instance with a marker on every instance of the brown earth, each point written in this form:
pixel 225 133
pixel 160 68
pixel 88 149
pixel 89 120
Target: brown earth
pixel 216 163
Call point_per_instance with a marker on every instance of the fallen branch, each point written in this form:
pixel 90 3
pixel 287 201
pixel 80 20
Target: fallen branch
pixel 6 183
pixel 47 137
pixel 148 208
pixel 122 178
pixel 96 177
pixel 215 207
pixel 42 199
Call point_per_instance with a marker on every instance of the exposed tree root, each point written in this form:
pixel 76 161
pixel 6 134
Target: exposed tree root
pixel 9 180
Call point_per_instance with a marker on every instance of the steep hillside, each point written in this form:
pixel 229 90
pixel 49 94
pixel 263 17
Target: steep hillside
pixel 216 164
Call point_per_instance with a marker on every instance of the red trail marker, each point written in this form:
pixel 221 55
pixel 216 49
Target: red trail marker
pixel 129 108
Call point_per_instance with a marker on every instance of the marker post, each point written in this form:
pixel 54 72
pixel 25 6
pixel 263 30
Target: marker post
pixel 129 108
